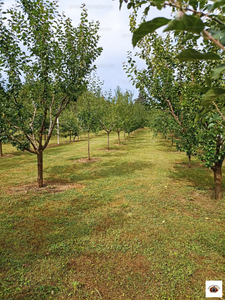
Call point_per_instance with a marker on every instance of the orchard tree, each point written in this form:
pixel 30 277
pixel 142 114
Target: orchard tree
pixel 199 19
pixel 162 122
pixel 3 138
pixel 121 103
pixel 107 116
pixel 164 82
pixel 139 113
pixel 211 140
pixel 69 124
pixel 173 89
pixel 45 60
pixel 142 100
pixel 88 114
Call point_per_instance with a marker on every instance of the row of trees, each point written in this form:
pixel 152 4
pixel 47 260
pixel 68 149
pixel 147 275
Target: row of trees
pixel 95 111
pixel 45 63
pixel 178 93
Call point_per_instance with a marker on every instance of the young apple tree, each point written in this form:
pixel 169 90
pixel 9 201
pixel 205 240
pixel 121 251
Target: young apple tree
pixel 88 114
pixel 106 116
pixel 45 60
pixel 170 86
pixel 69 125
pixel 198 19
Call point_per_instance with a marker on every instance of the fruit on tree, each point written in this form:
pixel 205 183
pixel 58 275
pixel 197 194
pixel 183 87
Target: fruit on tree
pixel 179 15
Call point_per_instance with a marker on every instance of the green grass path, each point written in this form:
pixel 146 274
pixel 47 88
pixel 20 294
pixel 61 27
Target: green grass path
pixel 135 223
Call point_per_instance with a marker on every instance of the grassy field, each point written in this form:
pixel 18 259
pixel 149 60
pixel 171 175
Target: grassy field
pixel 134 223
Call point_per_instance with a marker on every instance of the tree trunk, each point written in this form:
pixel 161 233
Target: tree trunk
pixel 217 169
pixel 40 168
pixel 58 131
pixel 118 132
pixel 1 153
pixel 124 137
pixel 88 147
pixel 189 160
pixel 70 137
pixel 108 141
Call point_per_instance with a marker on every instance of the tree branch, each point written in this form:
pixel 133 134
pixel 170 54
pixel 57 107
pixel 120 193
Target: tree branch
pixel 218 110
pixel 12 138
pixel 209 37
pixel 201 14
pixel 172 112
pixel 31 126
pixel 61 108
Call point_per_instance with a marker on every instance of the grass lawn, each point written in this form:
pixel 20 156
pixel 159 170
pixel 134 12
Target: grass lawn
pixel 134 223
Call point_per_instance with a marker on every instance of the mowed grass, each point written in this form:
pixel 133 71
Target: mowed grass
pixel 135 223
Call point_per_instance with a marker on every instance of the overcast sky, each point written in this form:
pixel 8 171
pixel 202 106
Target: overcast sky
pixel 115 36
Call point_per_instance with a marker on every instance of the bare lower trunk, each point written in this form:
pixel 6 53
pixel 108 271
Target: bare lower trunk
pixel 124 137
pixel 108 141
pixel 40 168
pixel 58 131
pixel 118 133
pixel 1 153
pixel 88 147
pixel 189 160
pixel 217 169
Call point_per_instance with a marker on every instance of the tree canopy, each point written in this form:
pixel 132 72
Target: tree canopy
pixel 45 60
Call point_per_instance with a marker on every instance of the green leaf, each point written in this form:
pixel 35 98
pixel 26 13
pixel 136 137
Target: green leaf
pixel 216 34
pixel 191 54
pixel 208 81
pixel 148 27
pixel 194 4
pixel 212 95
pixel 187 23
pixel 129 5
pixel 158 3
pixel 146 10
pixel 218 4
pixel 222 41
pixel 121 2
pixel 203 89
pixel 208 7
pixel 216 71
pixel 202 3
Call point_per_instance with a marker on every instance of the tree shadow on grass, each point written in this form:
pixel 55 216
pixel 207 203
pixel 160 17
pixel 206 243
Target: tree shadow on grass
pixel 198 176
pixel 83 171
pixel 15 161
pixel 167 146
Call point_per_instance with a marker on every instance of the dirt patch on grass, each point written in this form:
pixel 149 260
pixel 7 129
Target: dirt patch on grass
pixel 62 143
pixel 86 160
pixel 49 187
pixel 7 155
pixel 107 150
pixel 206 201
pixel 112 276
